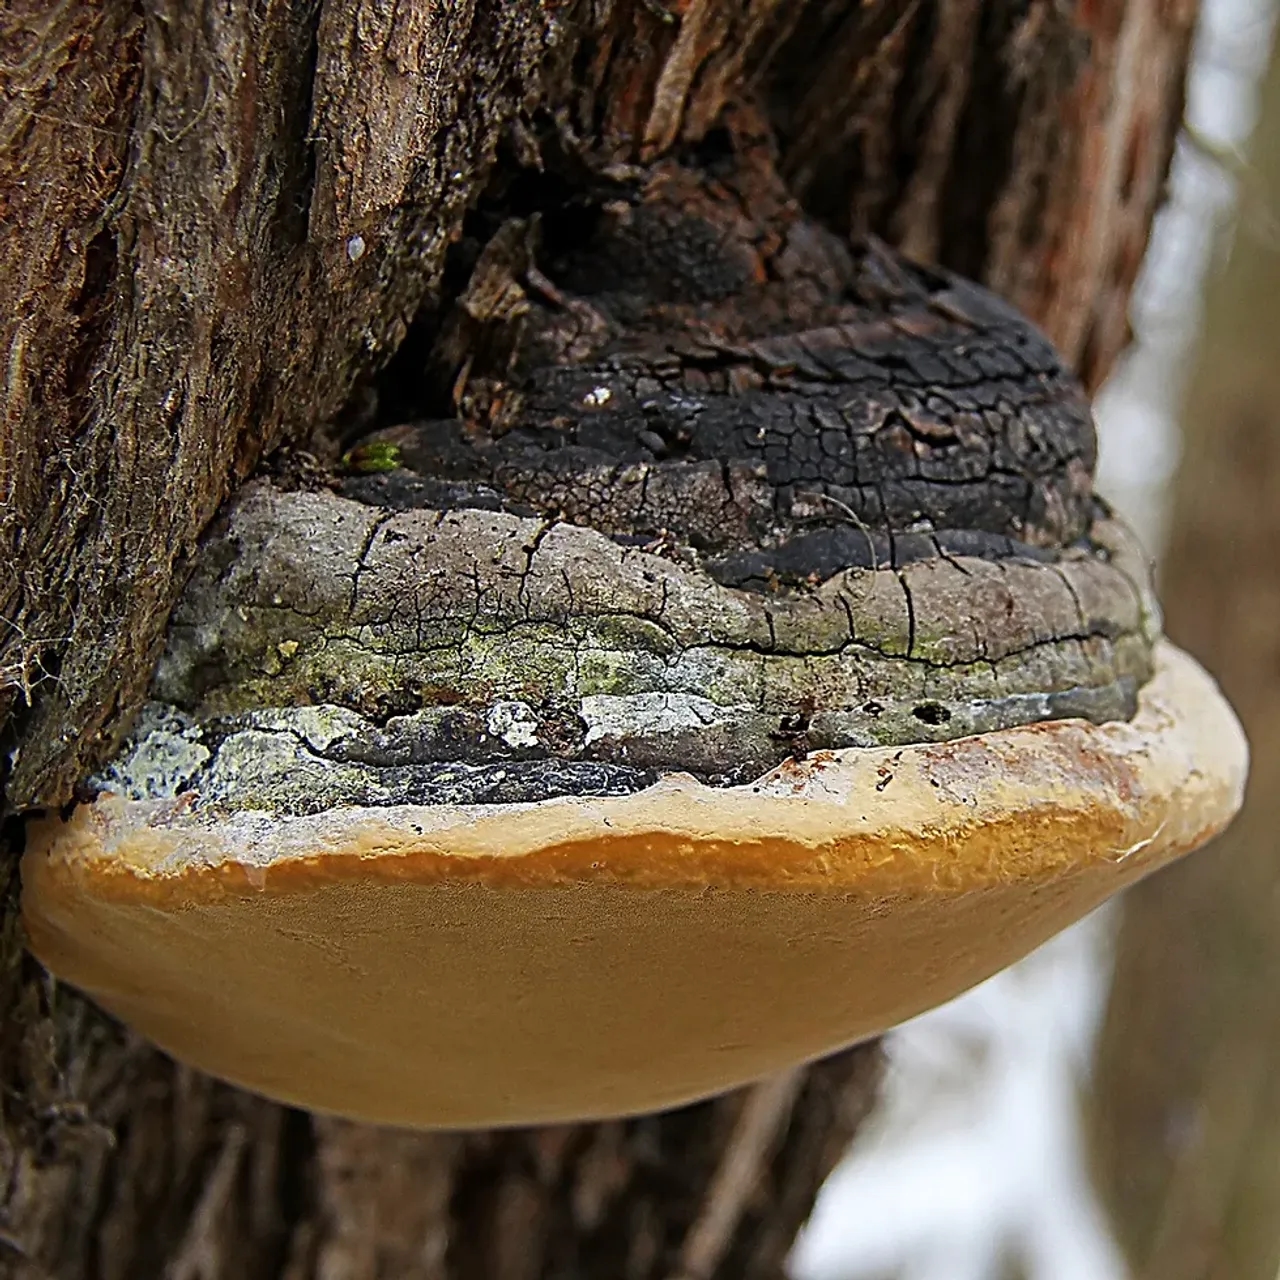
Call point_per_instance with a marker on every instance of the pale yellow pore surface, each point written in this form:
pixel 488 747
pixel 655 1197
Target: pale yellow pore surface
pixel 583 958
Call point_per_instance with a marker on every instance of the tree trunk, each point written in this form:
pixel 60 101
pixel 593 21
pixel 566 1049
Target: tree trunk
pixel 222 226
pixel 1186 1108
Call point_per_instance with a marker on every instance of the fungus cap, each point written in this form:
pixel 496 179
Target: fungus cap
pixel 589 957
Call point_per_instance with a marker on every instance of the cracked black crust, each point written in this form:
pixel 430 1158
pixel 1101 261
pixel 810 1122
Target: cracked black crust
pixel 831 405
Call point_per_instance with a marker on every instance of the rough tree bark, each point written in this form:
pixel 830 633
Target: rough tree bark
pixel 223 224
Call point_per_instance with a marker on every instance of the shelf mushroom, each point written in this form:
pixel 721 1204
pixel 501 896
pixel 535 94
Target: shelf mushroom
pixel 747 667
pixel 287 900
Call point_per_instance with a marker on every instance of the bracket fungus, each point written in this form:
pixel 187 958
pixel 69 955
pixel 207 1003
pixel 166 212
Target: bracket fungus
pixel 745 666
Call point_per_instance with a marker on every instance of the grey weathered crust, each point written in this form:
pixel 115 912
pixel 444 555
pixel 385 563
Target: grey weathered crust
pixel 331 653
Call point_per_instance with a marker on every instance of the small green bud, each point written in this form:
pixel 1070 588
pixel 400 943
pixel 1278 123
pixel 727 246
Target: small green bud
pixel 377 455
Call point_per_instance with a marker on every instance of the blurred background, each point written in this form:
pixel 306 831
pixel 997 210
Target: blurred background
pixel 1110 1108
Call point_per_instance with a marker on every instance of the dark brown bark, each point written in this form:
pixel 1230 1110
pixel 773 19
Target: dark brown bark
pixel 225 222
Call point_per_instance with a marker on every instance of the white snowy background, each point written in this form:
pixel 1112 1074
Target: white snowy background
pixel 973 1168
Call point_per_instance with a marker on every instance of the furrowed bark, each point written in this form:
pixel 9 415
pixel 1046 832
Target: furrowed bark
pixel 224 225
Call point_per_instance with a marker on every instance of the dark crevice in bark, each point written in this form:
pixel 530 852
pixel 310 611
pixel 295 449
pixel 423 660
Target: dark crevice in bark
pixel 915 96
pixel 298 160
pixel 981 163
pixel 92 308
pixel 1009 97
pixel 557 197
pixel 825 127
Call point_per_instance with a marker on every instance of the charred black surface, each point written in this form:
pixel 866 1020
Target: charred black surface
pixel 708 368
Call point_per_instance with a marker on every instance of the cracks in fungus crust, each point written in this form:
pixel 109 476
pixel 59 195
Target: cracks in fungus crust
pixel 711 488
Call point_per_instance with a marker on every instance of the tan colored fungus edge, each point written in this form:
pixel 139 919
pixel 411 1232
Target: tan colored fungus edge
pixel 578 958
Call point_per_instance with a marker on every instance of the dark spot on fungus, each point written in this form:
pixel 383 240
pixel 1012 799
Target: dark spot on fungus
pixel 931 713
